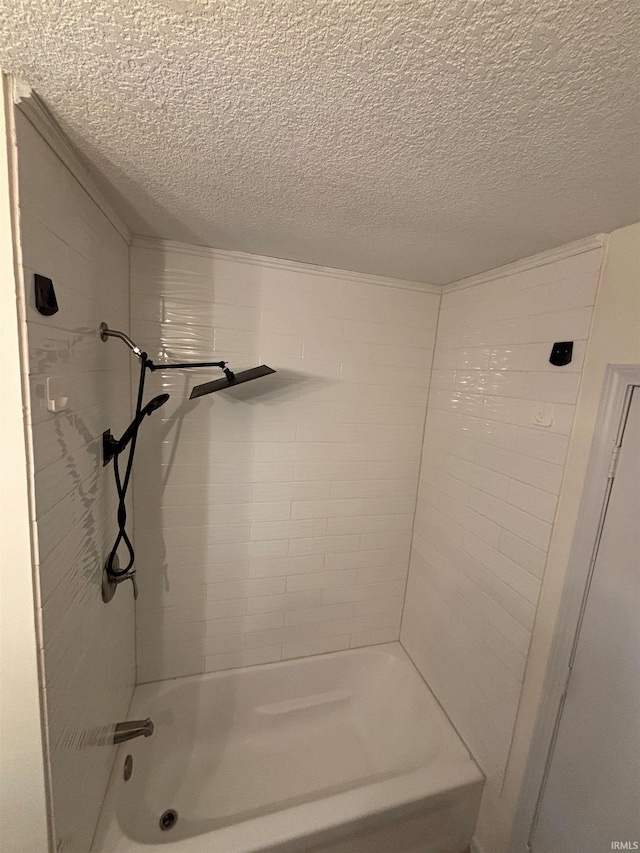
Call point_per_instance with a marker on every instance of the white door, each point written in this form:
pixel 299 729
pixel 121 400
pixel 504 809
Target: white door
pixel 591 799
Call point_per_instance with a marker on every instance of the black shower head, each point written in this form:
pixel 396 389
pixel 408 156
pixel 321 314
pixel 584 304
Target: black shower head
pixel 230 380
pixel 133 427
pixel 154 404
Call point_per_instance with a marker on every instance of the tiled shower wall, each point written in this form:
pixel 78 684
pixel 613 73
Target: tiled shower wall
pixel 274 520
pixel 490 478
pixel 88 646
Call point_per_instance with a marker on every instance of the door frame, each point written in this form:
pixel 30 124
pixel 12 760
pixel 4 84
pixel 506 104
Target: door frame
pixel 619 382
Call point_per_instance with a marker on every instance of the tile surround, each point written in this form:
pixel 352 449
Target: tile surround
pixel 275 520
pixel 489 484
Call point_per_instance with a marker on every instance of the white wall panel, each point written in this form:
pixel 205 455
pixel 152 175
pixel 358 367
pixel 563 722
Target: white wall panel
pixel 489 484
pixel 274 520
pixel 88 646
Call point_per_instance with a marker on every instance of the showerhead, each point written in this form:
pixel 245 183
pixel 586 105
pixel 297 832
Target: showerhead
pixel 133 427
pixel 154 404
pixel 230 380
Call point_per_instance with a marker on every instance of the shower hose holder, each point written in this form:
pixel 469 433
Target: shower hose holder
pixel 110 447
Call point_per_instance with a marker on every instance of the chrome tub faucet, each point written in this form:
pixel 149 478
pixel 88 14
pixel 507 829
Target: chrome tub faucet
pixel 131 729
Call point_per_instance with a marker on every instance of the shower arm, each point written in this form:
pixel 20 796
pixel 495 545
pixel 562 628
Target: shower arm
pixel 106 333
pixel 185 364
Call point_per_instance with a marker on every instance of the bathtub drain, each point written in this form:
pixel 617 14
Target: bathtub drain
pixel 169 819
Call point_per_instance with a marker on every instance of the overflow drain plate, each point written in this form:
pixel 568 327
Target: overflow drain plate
pixel 168 819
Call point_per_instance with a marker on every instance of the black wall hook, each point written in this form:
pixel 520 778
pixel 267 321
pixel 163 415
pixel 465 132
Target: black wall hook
pixel 561 353
pixel 46 301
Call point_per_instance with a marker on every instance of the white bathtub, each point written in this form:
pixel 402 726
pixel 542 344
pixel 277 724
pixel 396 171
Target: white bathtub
pixel 340 753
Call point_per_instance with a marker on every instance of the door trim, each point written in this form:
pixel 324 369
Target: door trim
pixel 619 382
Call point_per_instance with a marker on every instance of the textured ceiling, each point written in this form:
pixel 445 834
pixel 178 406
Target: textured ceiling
pixel 423 140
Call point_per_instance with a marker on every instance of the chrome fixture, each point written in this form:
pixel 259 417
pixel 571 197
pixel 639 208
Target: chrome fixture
pixel 112 576
pixel 106 333
pixel 131 729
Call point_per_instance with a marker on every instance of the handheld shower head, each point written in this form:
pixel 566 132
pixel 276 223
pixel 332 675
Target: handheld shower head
pixel 154 404
pixel 133 427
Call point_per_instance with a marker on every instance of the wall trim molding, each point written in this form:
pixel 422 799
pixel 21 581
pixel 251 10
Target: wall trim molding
pixel 279 263
pixel 578 247
pixel 38 114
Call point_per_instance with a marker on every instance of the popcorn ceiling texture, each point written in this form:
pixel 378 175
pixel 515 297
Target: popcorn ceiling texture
pixel 421 140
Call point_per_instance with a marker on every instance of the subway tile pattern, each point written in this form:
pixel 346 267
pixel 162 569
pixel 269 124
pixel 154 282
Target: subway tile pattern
pixel 489 483
pixel 88 647
pixel 274 521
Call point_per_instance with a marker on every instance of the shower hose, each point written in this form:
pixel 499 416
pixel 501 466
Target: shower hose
pixel 122 486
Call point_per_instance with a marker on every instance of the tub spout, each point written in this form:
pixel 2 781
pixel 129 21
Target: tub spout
pixel 131 729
